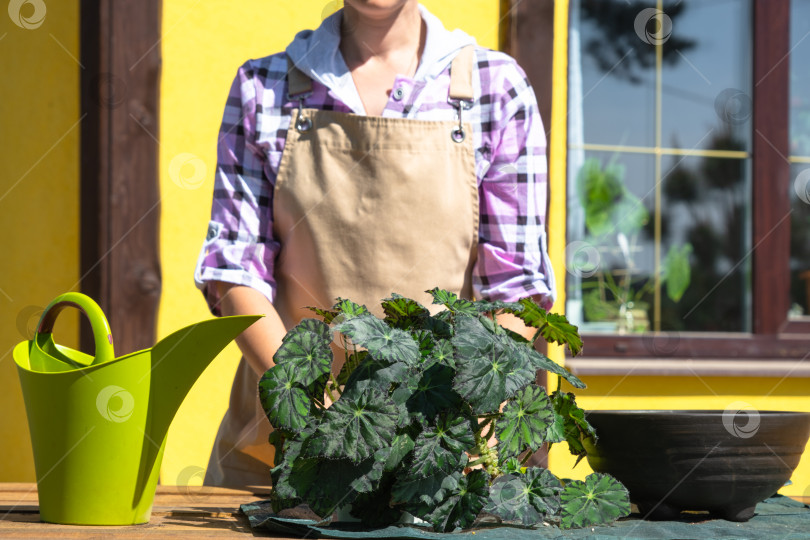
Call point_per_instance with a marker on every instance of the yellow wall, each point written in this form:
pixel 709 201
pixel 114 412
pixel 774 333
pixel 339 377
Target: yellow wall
pixel 203 45
pixel 39 197
pixel 646 392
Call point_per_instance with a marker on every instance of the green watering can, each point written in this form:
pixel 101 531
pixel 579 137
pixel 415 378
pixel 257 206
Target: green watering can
pixel 98 424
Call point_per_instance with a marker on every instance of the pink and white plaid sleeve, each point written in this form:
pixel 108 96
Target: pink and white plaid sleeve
pixel 239 247
pixel 512 256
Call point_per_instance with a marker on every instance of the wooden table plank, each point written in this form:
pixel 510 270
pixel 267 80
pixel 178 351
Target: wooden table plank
pixel 178 512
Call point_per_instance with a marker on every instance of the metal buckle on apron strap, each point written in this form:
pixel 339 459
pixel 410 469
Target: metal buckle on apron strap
pixel 302 123
pixel 458 134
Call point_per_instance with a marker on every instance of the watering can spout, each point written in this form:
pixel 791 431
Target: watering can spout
pixel 179 359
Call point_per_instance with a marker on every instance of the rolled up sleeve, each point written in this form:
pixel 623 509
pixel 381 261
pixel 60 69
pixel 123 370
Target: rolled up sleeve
pixel 513 259
pixel 239 247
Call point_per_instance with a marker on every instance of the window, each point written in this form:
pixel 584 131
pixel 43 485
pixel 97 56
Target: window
pixel 799 158
pixel 688 191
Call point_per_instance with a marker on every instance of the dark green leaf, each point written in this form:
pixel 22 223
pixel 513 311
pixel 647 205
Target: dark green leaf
pixel 354 427
pixel 327 315
pixel 349 309
pixel 441 448
pixel 556 431
pixel 490 367
pixel 374 509
pixel 400 447
pixel 509 500
pixel 425 342
pixel 463 504
pixel 553 327
pixel 544 490
pixel 481 380
pixel 308 352
pixel 315 326
pixel 284 400
pixel 599 499
pixel 443 353
pixel 520 372
pixel 539 360
pixel 439 325
pixel 324 497
pixel 510 465
pixel 525 421
pixel 404 313
pixel 560 331
pixel 378 373
pixel 382 341
pixel 525 498
pixel 421 494
pixel 452 302
pixel 575 426
pixel 433 392
pixel 483 306
pixel 471 338
pixel 369 479
pixel 283 494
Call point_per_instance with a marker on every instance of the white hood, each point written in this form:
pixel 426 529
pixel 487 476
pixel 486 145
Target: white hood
pixel 316 53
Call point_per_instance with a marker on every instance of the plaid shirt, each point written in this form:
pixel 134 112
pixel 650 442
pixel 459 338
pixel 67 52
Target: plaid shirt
pixel 510 160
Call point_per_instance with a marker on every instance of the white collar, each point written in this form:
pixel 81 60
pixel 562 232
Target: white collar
pixel 317 54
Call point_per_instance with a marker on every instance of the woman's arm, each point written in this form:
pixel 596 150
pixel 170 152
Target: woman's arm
pixel 263 338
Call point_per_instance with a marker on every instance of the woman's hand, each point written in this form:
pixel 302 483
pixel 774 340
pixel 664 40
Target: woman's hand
pixel 261 340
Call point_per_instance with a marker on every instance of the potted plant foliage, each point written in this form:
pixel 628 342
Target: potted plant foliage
pixel 431 414
pixel 617 288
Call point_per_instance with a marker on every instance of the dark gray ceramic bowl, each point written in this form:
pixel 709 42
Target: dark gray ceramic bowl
pixel 724 462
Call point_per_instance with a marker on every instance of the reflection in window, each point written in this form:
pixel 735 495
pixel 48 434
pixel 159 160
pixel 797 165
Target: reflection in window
pixel 659 177
pixel 800 158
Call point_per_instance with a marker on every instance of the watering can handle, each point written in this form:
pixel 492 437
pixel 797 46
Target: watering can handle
pixel 98 321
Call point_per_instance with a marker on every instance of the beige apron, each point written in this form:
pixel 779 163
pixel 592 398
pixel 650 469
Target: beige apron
pixel 363 207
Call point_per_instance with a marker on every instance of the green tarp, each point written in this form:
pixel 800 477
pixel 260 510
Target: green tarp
pixel 777 518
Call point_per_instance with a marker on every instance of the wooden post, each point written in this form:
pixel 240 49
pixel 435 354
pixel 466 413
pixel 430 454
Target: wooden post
pixel 120 205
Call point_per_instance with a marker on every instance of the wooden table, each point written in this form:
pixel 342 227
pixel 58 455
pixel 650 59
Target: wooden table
pixel 178 512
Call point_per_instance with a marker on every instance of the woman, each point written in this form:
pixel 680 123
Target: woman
pixel 379 153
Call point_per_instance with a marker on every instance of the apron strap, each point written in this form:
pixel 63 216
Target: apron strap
pixel 461 75
pixel 299 85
